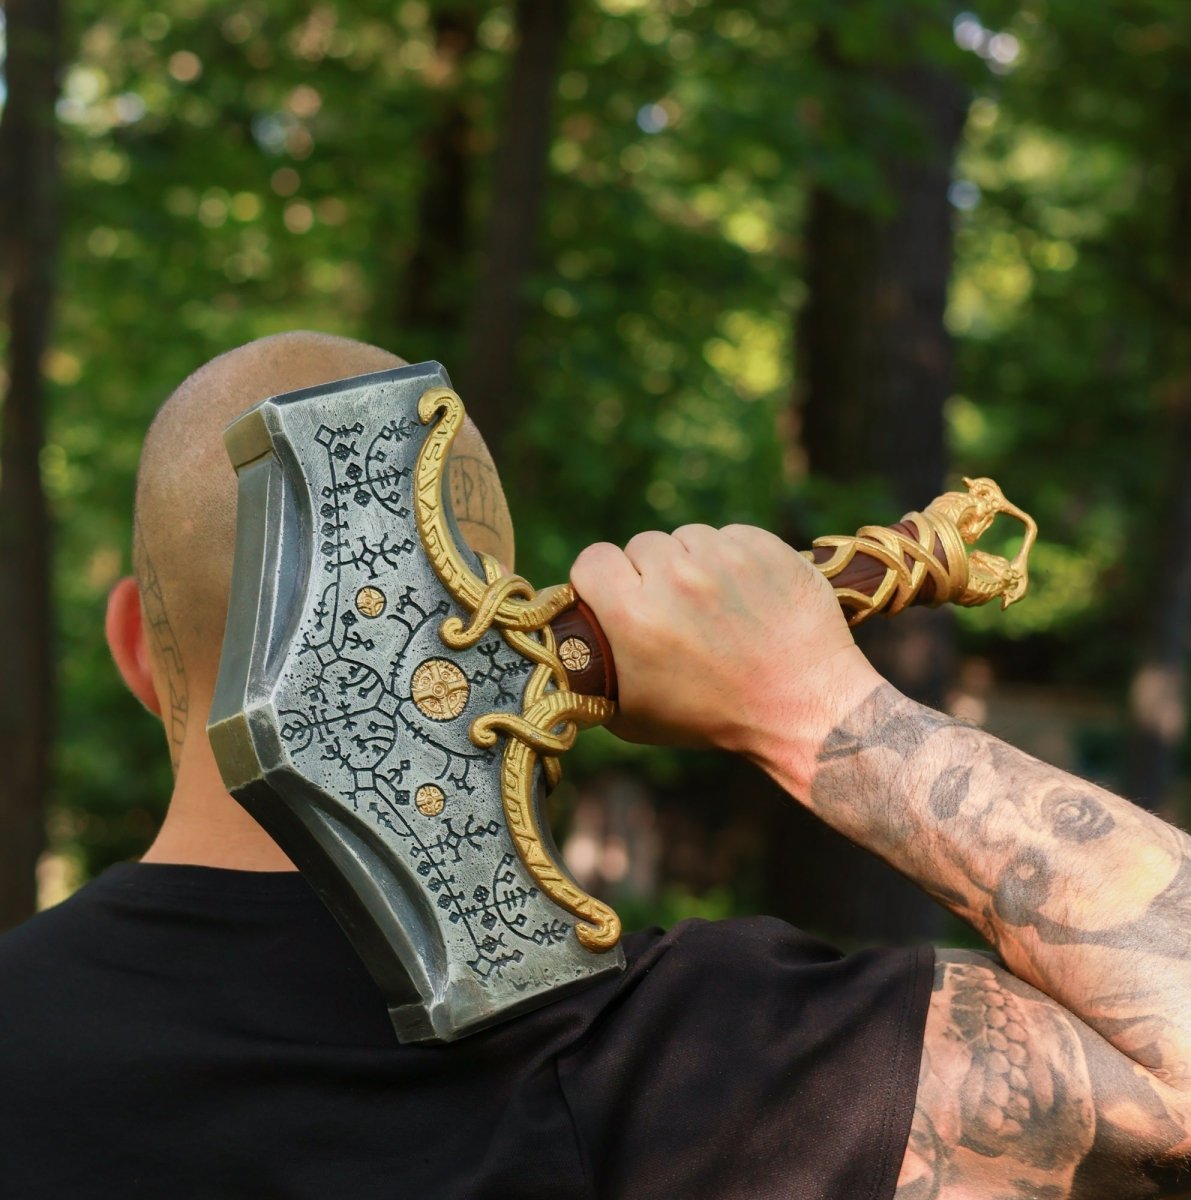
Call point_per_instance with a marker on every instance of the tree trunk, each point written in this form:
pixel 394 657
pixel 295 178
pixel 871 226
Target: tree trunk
pixel 28 194
pixel 876 359
pixel 875 370
pixel 519 184
pixel 1158 694
pixel 427 305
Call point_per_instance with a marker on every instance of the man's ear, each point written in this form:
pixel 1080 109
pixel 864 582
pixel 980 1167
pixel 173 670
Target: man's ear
pixel 125 631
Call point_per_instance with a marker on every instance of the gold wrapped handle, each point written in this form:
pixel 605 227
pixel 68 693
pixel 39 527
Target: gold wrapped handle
pixel 923 559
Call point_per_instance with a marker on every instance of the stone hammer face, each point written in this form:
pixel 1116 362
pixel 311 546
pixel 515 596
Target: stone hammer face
pixel 341 719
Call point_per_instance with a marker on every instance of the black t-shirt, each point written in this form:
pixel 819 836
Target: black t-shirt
pixel 177 1031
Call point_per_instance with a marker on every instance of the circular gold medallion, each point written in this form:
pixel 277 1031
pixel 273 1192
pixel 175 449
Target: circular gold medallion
pixel 439 689
pixel 429 800
pixel 370 601
pixel 575 654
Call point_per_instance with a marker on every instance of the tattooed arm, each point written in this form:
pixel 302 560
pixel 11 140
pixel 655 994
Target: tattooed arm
pixel 1018 1099
pixel 1070 1076
pixel 1066 1076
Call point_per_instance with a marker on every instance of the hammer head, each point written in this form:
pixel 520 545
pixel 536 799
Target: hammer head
pixel 341 720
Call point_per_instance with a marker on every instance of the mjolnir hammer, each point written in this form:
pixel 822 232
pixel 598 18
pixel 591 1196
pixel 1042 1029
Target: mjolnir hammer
pixel 391 707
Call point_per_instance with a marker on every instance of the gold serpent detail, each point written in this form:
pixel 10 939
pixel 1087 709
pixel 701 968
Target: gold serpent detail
pixel 936 554
pixel 551 713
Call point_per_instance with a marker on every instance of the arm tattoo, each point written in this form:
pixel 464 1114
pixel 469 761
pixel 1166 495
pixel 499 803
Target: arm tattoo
pixel 1080 1089
pixel 1018 1101
pixel 1004 831
pixel 1021 1093
pixel 881 722
pixel 949 791
pixel 165 645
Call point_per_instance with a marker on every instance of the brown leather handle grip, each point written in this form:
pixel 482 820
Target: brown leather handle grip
pixel 923 559
pixel 585 652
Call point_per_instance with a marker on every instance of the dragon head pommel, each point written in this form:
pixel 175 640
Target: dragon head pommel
pixel 970 514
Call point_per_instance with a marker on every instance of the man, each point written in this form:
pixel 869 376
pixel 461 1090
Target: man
pixel 196 1025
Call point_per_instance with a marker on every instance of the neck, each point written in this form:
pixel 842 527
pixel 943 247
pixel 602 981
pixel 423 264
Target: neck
pixel 205 827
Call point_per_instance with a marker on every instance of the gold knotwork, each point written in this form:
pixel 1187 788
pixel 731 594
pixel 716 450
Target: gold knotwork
pixel 551 713
pixel 937 553
pixel 526 613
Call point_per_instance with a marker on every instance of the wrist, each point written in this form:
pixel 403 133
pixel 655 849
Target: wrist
pixel 788 731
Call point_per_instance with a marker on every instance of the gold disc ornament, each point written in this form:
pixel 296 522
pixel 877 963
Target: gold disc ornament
pixel 575 653
pixel 429 800
pixel 439 689
pixel 370 601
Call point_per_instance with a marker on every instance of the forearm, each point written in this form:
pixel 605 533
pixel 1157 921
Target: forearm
pixel 1084 895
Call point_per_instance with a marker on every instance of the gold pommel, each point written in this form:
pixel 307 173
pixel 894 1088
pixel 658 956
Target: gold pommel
pixel 925 556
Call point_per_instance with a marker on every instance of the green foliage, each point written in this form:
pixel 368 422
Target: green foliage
pixel 1070 303
pixel 676 904
pixel 237 167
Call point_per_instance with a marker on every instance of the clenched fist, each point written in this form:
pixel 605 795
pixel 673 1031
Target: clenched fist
pixel 722 637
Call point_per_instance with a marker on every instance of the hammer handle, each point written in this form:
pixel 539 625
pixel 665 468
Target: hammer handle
pixel 587 656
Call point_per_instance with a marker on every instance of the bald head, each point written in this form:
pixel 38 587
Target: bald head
pixel 185 514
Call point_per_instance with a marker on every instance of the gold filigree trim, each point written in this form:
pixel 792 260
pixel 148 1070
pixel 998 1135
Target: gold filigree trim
pixel 529 736
pixel 551 713
pixel 513 611
pixel 936 553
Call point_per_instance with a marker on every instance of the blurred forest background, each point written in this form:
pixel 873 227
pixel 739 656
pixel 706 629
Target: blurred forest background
pixel 801 263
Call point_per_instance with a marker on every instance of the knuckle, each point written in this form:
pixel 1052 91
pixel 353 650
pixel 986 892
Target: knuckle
pixel 747 535
pixel 688 577
pixel 693 530
pixel 759 542
pixel 645 542
pixel 588 563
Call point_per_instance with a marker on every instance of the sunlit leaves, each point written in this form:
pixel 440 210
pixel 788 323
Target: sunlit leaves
pixel 244 166
pixel 1064 298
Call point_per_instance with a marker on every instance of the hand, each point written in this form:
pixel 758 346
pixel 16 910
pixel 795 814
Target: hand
pixel 723 638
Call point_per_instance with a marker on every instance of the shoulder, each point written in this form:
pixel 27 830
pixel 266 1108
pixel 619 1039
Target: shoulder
pixel 52 960
pixel 752 1034
pixel 756 939
pixel 45 987
pixel 47 937
pixel 772 961
pixel 42 959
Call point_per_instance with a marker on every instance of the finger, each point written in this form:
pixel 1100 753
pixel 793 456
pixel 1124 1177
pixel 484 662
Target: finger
pixel 762 546
pixel 772 555
pixel 651 549
pixel 754 537
pixel 699 540
pixel 603 573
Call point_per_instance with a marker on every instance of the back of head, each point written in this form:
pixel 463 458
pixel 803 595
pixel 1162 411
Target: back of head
pixel 185 512
pixel 185 516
